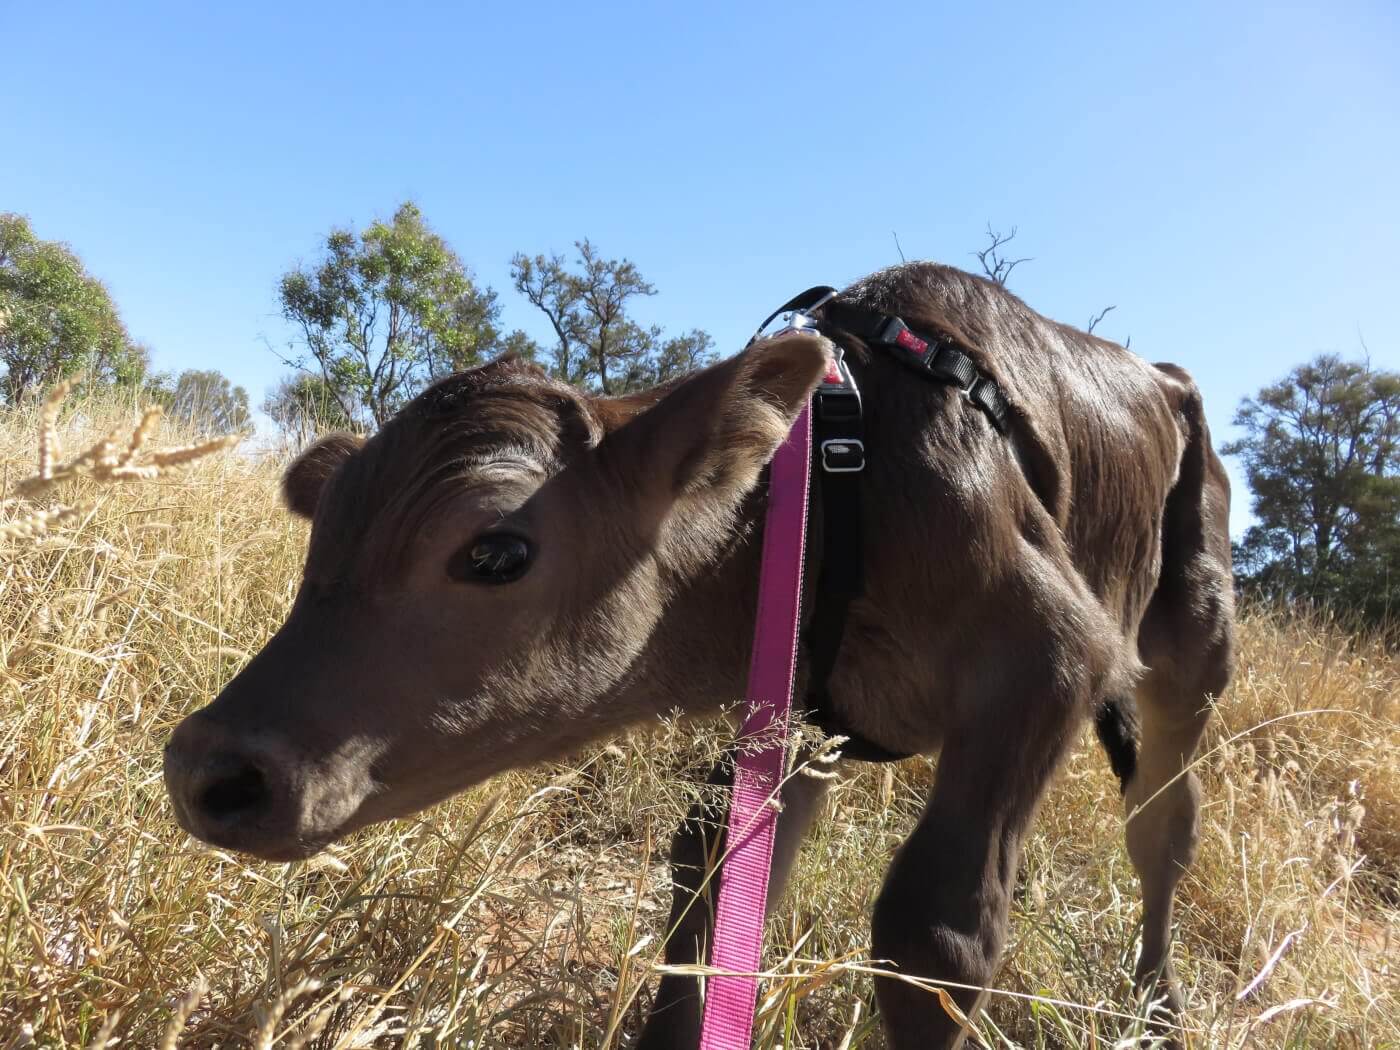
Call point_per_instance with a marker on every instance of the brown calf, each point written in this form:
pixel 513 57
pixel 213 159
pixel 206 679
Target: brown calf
pixel 511 568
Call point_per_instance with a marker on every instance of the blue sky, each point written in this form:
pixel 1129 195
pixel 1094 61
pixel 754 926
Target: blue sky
pixel 1224 174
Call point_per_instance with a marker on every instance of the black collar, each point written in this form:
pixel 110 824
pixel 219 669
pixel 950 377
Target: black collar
pixel 934 357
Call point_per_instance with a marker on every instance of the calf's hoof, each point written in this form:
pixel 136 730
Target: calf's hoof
pixel 1160 998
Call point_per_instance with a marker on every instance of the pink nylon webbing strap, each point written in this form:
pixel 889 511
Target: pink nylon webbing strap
pixel 748 848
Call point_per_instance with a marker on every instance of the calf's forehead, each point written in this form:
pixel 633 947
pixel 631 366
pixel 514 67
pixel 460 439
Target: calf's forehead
pixel 430 455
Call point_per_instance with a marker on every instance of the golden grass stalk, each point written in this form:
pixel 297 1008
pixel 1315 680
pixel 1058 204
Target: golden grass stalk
pixel 150 422
pixel 37 522
pixel 180 1016
pixel 108 461
pixel 50 445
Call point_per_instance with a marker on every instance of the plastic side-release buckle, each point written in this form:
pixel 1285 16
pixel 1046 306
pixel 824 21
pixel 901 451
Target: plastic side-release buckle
pixel 896 333
pixel 837 396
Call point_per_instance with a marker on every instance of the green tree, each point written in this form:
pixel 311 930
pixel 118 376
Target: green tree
pixel 597 345
pixel 1321 453
pixel 205 399
pixel 385 311
pixel 303 406
pixel 56 320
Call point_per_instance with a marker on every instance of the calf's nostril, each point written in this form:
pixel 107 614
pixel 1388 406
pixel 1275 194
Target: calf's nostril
pixel 233 793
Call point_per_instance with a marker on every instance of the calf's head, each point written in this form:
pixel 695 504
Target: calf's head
pixel 491 580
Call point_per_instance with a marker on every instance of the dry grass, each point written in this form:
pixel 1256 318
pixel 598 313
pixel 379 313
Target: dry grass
pixel 526 913
pixel 107 461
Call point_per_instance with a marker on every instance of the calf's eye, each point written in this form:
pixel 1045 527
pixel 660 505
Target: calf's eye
pixel 498 557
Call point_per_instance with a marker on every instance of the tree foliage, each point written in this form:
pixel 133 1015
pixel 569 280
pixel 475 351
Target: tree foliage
pixel 385 311
pixel 56 320
pixel 1321 452
pixel 597 345
pixel 303 406
pixel 203 398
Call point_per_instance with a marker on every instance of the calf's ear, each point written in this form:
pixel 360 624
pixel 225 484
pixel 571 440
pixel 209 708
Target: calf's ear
pixel 714 432
pixel 307 476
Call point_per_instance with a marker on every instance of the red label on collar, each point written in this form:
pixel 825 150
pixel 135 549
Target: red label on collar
pixel 910 341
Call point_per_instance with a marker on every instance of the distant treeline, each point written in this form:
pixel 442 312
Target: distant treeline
pixel 386 310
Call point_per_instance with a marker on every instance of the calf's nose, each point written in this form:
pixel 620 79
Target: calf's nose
pixel 222 789
pixel 226 789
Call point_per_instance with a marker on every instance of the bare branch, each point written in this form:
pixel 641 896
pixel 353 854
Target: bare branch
pixel 994 264
pixel 1094 321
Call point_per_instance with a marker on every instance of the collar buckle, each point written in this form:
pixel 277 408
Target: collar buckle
pixel 837 396
pixel 896 333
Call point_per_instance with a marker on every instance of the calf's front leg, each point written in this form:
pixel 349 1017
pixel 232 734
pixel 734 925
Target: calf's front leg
pixel 674 1021
pixel 942 912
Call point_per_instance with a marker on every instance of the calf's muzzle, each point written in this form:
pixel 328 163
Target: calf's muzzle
pixel 236 790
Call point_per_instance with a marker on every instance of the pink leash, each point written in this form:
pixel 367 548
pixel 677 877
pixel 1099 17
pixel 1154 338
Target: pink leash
pixel 730 997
